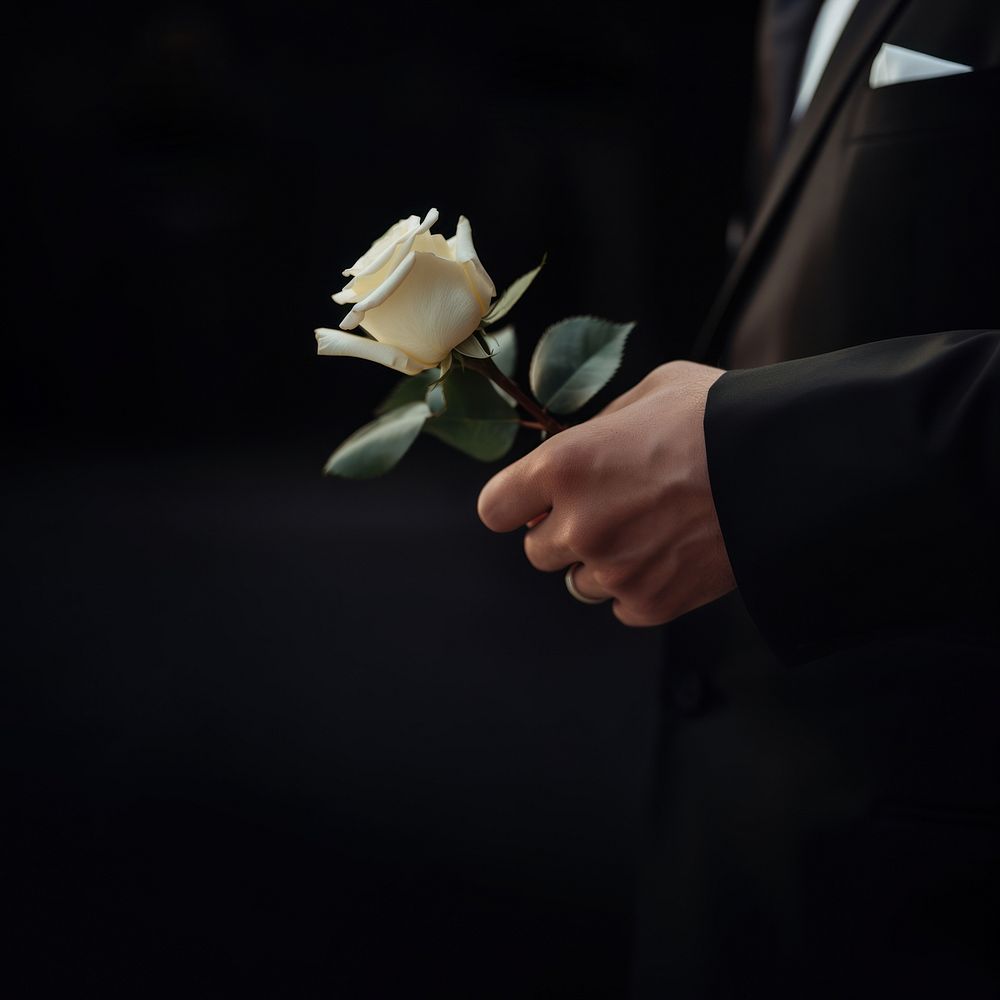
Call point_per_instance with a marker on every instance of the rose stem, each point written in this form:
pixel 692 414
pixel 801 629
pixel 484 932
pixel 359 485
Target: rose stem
pixel 487 367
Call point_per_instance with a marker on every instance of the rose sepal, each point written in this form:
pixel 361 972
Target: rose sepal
pixel 511 295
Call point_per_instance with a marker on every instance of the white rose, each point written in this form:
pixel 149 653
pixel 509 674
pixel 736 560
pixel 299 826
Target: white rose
pixel 417 294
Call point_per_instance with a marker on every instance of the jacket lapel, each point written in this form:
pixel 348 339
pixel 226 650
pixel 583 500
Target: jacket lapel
pixel 862 31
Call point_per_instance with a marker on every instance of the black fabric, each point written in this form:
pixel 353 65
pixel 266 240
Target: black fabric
pixel 848 64
pixel 858 490
pixel 784 28
pixel 825 820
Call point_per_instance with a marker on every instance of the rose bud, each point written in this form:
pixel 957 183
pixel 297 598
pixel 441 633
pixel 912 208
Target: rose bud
pixel 415 293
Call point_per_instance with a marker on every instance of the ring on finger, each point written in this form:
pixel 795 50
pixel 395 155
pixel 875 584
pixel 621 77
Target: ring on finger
pixel 572 588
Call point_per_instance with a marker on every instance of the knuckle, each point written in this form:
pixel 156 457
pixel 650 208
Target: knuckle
pixel 541 554
pixel 573 536
pixel 598 541
pixel 620 613
pixel 546 461
pixel 570 461
pixel 533 551
pixel 627 615
pixel 613 579
pixel 560 471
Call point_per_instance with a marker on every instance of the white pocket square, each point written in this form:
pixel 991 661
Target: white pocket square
pixel 894 64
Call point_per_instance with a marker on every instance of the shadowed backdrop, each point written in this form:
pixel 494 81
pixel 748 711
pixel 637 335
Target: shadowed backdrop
pixel 266 732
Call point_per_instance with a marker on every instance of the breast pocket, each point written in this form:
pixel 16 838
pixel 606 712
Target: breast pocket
pixel 963 101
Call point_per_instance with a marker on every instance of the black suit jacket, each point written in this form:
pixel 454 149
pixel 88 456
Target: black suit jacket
pixel 826 813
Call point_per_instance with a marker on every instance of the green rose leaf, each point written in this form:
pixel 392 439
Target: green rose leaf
pixel 505 358
pixel 435 398
pixel 574 359
pixel 477 421
pixel 508 299
pixel 377 447
pixel 412 389
pixel 505 354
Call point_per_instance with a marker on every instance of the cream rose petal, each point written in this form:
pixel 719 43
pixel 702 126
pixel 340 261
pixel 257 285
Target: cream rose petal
pixel 433 243
pixel 465 252
pixel 369 260
pixel 367 279
pixel 380 294
pixel 363 285
pixel 431 310
pixel 382 249
pixel 336 342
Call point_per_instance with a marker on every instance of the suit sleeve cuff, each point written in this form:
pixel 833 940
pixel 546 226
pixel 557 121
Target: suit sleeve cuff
pixel 854 489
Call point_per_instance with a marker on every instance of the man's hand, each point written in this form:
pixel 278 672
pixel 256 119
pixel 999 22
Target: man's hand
pixel 626 494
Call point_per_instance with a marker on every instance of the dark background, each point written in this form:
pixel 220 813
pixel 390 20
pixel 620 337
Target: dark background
pixel 267 733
